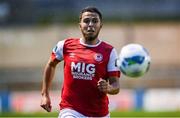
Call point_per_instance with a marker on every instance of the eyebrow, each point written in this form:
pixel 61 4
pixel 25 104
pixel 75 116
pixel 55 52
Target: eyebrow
pixel 87 16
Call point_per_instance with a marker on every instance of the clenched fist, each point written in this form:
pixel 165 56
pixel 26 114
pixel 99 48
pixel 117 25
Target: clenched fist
pixel 103 85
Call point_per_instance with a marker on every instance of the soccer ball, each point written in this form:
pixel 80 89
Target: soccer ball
pixel 134 60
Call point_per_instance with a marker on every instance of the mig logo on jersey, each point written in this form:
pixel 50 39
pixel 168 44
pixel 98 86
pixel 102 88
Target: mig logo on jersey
pixel 82 70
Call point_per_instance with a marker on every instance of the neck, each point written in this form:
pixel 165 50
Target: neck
pixel 90 42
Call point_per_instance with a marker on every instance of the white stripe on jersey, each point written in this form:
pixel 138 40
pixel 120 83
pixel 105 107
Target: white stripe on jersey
pixel 58 50
pixel 112 61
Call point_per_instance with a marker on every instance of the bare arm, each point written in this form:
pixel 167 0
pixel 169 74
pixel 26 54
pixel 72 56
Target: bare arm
pixel 111 86
pixel 114 85
pixel 47 79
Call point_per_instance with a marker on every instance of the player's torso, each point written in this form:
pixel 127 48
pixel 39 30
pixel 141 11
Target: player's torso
pixel 83 67
pixel 85 63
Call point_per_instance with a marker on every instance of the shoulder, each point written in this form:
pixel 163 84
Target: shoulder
pixel 71 43
pixel 108 48
pixel 71 40
pixel 67 41
pixel 106 45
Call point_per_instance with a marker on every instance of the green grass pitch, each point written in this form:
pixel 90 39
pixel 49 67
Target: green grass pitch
pixel 129 114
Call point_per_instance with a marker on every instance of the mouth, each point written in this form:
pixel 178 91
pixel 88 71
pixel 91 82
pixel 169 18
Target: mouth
pixel 90 30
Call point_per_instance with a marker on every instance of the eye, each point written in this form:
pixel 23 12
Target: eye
pixel 94 20
pixel 86 20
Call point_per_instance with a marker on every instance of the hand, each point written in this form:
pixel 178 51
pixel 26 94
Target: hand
pixel 103 85
pixel 46 103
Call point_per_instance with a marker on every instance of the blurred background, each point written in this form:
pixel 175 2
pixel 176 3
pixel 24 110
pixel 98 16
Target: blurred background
pixel 29 29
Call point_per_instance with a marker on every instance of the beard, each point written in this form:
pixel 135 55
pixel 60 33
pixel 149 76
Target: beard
pixel 91 37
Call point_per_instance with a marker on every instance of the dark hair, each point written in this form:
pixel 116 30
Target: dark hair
pixel 90 9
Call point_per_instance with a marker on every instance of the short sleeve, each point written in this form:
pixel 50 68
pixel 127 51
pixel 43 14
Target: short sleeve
pixel 57 52
pixel 113 70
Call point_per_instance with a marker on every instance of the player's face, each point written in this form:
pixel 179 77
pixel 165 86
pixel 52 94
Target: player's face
pixel 90 25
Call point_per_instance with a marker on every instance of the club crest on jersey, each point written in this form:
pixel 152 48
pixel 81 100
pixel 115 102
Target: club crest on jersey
pixel 98 57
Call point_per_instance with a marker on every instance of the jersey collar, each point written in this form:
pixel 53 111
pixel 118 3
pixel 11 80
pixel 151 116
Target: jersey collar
pixel 87 45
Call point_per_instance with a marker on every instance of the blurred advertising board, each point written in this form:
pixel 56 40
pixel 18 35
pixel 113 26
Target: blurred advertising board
pixel 127 99
pixel 162 100
pixel 30 101
pixel 123 101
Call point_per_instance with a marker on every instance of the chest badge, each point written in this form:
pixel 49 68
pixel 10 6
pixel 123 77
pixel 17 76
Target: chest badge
pixel 98 57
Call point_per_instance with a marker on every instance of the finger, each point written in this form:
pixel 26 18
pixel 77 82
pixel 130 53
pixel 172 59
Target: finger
pixel 46 107
pixel 102 84
pixel 43 106
pixel 102 88
pixel 101 81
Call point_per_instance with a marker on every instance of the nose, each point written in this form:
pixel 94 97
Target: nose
pixel 91 23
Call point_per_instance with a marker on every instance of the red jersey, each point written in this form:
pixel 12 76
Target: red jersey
pixel 84 65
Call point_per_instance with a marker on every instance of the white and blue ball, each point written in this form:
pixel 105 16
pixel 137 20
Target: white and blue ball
pixel 134 60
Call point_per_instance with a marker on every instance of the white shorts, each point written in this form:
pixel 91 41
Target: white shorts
pixel 70 113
